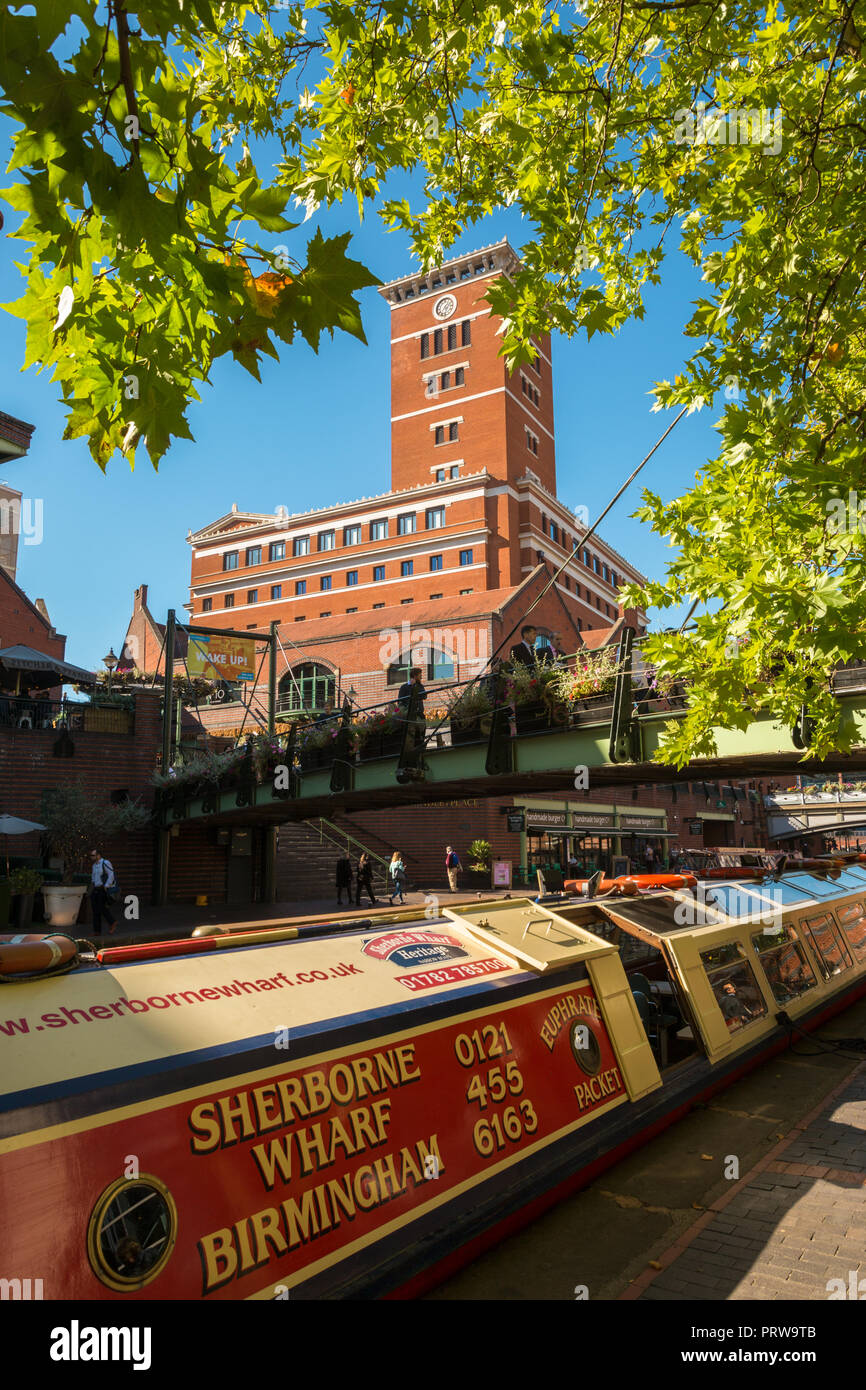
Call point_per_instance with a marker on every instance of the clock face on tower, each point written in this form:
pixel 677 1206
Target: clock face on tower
pixel 444 307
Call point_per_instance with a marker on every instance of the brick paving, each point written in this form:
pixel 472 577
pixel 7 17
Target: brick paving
pixel 793 1223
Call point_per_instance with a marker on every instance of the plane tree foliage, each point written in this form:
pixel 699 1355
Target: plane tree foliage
pixel 731 132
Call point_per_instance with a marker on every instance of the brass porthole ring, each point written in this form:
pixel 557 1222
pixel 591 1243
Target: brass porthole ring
pixel 132 1232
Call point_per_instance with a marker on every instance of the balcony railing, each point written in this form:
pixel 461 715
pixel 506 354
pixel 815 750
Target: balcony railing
pixel 114 715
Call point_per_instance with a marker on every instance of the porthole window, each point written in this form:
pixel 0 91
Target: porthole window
pixel 132 1232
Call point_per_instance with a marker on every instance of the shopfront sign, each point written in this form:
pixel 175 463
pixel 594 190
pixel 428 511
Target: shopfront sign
pixel 591 820
pixel 516 820
pixel 695 827
pixel 542 819
pixel 502 873
pixel 656 823
pixel 219 657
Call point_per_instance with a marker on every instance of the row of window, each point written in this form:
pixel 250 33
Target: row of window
pixel 445 381
pixel 529 390
pixel 446 339
pixel 407 568
pixel 450 278
pixel 352 535
pixel 452 472
pixel 207 607
pixel 532 442
pixel 439 434
pixel 592 562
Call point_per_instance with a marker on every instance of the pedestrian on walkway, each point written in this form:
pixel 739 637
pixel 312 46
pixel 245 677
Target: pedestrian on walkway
pixel 103 884
pixel 397 874
pixel 364 879
pixel 452 868
pixel 344 879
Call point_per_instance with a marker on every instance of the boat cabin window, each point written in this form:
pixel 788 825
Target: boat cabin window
pixel 633 952
pixel 853 922
pixel 787 891
pixel 833 955
pixel 784 962
pixel 847 879
pixel 734 985
pixel 736 901
pixel 663 914
pixel 821 887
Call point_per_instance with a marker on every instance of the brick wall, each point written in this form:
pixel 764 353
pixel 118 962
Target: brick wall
pixel 103 763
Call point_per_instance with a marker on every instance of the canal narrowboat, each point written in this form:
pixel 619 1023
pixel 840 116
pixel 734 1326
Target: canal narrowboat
pixel 352 1110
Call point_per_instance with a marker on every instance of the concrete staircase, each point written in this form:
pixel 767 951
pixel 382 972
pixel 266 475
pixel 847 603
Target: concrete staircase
pixel 306 867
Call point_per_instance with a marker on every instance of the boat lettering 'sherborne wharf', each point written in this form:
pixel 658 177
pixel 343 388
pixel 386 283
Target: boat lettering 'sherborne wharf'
pixel 355 1109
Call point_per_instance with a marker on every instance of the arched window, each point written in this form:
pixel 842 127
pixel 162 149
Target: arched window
pixel 307 687
pixel 435 664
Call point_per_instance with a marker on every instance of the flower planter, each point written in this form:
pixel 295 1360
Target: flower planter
pixel 313 758
pixel 22 910
pixel 532 719
pixel 384 745
pixel 467 731
pixel 62 904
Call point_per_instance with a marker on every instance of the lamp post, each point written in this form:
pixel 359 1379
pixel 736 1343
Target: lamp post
pixel 110 664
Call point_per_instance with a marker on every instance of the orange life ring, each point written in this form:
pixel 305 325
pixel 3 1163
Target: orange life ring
pixel 23 955
pixel 607 885
pixel 661 880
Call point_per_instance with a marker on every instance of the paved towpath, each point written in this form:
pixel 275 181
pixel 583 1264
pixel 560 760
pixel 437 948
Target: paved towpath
pixel 792 1225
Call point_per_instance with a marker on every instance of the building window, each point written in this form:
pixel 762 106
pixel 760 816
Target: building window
pixel 325 582
pixel 407 600
pixel 406 524
pixel 277 550
pixel 300 586
pixel 465 591
pixel 466 557
pixel 206 605
pixel 378 573
pixel 452 431
pixel 378 605
pixel 437 341
pixel 435 665
pixel 230 560
pixel 425 345
pixel 452 336
pixel 446 381
pixel 326 613
pixel 252 595
pixel 466 333
pixel 230 601
pixel 437 596
pixel 455 470
pixel 613 579
pixel 276 591
pixel 299 618
pixel 351 610
pixel 406 567
pixel 351 577
pixel 352 535
pixel 595 564
pixel 554 531
pixel 531 443
pixel 301 545
pixel 439 435
pixel 435 518
pixel 308 687
pixel 378 530
pixel 254 555
pixel 440 475
pixel 326 540
pixel 459 377
pixel 435 562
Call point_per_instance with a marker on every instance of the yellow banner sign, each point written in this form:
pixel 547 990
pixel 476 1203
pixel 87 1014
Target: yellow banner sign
pixel 221 658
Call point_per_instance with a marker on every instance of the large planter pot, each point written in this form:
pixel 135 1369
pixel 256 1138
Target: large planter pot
pixel 62 904
pixel 532 718
pixel 467 731
pixel 385 745
pixel 22 910
pixel 313 758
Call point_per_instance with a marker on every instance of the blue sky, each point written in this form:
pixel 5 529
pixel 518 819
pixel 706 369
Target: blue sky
pixel 316 431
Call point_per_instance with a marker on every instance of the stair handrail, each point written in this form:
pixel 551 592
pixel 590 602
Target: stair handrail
pixel 344 835
pixel 409 858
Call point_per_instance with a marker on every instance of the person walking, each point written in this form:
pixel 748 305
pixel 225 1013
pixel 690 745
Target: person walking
pixel 364 879
pixel 102 883
pixel 397 874
pixel 452 868
pixel 344 880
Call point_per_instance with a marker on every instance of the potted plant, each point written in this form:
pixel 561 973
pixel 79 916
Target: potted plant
pixel 479 864
pixel 534 693
pixel 25 884
pixel 316 744
pixel 379 734
pixel 469 711
pixel 589 681
pixel 76 820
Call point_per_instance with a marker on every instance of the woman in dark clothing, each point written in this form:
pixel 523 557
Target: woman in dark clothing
pixel 365 879
pixel 344 879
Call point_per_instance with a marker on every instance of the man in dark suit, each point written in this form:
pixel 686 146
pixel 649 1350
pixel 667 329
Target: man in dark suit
pixel 524 651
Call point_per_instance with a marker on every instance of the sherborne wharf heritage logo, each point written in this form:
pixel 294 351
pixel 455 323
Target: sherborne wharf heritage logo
pixel 414 948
